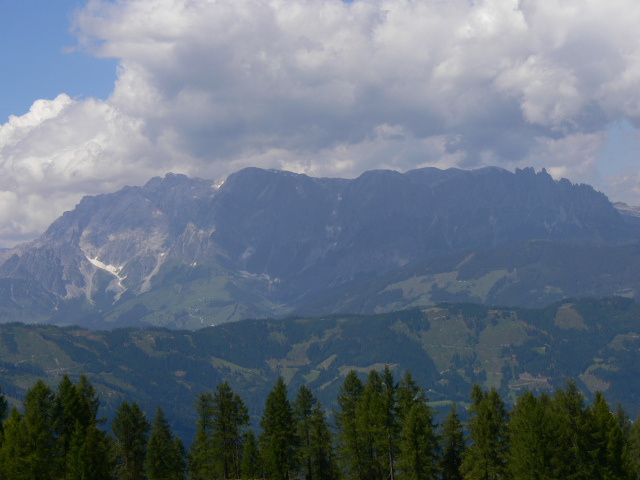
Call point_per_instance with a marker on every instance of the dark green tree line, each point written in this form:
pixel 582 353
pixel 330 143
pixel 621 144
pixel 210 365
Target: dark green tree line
pixel 57 435
pixel 383 430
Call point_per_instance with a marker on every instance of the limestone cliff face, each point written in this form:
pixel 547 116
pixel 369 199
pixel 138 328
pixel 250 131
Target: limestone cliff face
pixel 303 235
pixel 115 241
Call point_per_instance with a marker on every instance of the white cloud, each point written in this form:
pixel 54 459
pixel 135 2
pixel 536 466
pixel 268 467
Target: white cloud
pixel 63 149
pixel 208 86
pixel 303 76
pixel 572 156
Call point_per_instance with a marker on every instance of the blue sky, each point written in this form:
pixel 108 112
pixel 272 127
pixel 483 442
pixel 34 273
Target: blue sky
pixel 101 94
pixel 34 36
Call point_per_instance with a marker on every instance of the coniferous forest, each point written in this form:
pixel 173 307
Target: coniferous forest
pixel 383 428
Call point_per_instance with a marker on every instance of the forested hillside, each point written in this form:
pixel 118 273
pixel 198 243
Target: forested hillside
pixel 447 348
pixel 532 274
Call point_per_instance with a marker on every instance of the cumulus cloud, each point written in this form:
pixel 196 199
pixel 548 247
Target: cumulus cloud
pixel 206 87
pixel 306 76
pixel 63 149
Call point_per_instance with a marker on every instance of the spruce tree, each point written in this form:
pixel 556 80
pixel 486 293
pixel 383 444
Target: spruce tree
pixel 625 424
pixel 131 432
pixel 408 392
pixel 181 454
pixel 370 418
pixel 230 420
pixel 418 444
pixel 251 463
pixel 391 426
pixel 88 456
pixel 67 412
pixel 350 439
pixel 609 446
pixel 303 408
pixel 634 445
pixel 89 402
pixel 316 453
pixel 571 439
pixel 4 410
pixel 202 453
pixel 278 440
pixel 530 435
pixel 14 449
pixel 323 464
pixel 240 421
pixel 164 459
pixel 41 460
pixel 84 448
pixel 486 455
pixel 453 446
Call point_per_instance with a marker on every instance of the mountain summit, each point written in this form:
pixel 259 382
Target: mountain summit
pixel 190 252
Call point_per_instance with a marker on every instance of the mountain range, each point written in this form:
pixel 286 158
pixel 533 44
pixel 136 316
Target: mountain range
pixel 187 253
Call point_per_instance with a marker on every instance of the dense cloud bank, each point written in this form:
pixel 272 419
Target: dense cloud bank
pixel 206 87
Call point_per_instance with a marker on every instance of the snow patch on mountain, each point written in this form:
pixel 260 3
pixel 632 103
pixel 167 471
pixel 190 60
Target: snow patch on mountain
pixel 115 271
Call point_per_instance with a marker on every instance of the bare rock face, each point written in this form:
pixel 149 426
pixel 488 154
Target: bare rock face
pixel 302 236
pixel 628 212
pixel 126 235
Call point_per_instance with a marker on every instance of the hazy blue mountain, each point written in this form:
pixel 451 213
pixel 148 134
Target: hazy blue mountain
pixel 184 252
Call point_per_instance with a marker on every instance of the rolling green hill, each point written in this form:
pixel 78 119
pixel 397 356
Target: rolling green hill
pixel 447 348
